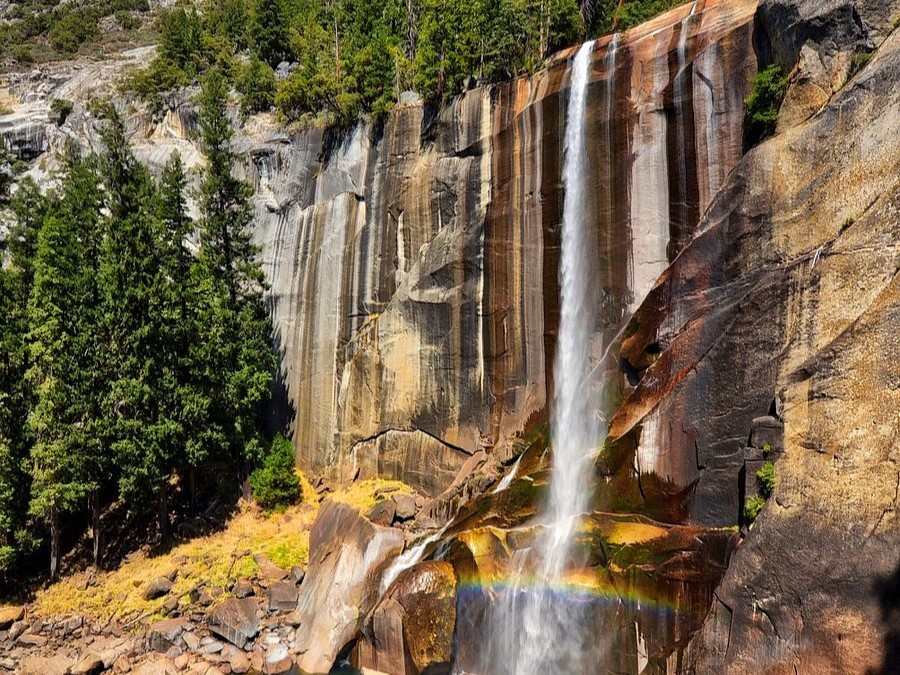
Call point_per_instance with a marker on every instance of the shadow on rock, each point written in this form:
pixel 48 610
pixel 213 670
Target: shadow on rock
pixel 887 590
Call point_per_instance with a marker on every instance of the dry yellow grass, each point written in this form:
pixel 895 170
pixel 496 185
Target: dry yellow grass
pixel 212 560
pixel 362 495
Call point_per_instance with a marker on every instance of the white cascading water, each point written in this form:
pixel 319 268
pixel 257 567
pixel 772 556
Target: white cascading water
pixel 535 626
pixel 574 424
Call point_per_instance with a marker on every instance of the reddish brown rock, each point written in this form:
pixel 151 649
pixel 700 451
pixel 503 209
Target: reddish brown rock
pixel 9 615
pixel 347 554
pixel 413 624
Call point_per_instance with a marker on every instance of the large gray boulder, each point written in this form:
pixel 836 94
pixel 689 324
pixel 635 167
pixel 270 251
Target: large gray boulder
pixel 236 620
pixel 347 557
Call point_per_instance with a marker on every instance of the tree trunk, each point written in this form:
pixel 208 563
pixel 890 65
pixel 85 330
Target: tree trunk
pixel 164 513
pixel 192 478
pixel 95 525
pixel 615 25
pixel 54 544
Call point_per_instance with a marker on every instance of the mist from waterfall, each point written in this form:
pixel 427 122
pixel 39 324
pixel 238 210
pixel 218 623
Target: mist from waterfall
pixel 537 625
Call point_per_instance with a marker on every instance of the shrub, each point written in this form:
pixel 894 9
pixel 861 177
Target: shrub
pixel 275 484
pixel 257 85
pixel 160 76
pixel 61 109
pixel 752 508
pixel 73 29
pixel 630 14
pixel 765 478
pixel 764 100
pixel 767 450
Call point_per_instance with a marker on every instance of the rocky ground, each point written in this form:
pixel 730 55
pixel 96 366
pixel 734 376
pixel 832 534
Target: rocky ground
pixel 180 620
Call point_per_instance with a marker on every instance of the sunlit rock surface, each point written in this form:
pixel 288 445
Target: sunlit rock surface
pixel 413 263
pixel 789 301
pixel 347 556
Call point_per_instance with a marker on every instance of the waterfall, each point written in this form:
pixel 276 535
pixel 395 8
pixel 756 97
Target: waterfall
pixel 537 626
pixel 574 426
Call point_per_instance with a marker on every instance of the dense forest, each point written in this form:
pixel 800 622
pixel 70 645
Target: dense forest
pixel 323 60
pixel 128 360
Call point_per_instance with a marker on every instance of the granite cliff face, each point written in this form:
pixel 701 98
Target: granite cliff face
pixel 413 263
pixel 751 300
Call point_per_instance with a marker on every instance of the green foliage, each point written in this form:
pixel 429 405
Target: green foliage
pixel 752 508
pixel 236 356
pixel 257 86
pixel 160 76
pixel 859 60
pixel 126 360
pixel 61 108
pixel 765 478
pixel 633 13
pixel 767 450
pixel 275 484
pixel 72 30
pixel 181 37
pixel 764 100
pixel 268 31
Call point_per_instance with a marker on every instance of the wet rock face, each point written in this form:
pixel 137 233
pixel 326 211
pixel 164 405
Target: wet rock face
pixel 411 628
pixel 347 556
pixel 786 303
pixel 414 263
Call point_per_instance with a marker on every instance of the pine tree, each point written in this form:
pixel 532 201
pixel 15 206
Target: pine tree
pixel 186 398
pixel 269 31
pixel 64 334
pixel 137 302
pixel 236 356
pixel 16 277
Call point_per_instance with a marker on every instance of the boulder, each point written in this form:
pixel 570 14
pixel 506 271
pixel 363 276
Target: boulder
pixel 269 571
pixel 90 664
pixel 278 661
pixel 405 506
pixel 413 624
pixel 165 634
pixel 297 574
pixel 347 556
pixel 39 665
pixel 242 589
pixel 236 620
pixel 283 596
pixel 158 588
pixel 383 512
pixel 32 640
pixel 239 662
pixel 9 615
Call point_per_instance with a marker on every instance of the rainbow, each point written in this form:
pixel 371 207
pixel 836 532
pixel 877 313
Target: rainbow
pixel 580 587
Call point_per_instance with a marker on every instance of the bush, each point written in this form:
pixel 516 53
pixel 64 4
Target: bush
pixel 257 85
pixel 764 100
pixel 765 478
pixel 61 109
pixel 71 31
pixel 275 484
pixel 160 76
pixel 752 508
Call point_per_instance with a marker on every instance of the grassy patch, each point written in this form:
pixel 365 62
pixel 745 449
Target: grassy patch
pixel 210 561
pixel 363 495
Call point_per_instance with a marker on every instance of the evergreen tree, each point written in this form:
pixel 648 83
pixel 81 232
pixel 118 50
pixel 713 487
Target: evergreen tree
pixel 236 354
pixel 137 310
pixel 62 314
pixel 268 31
pixel 16 276
pixel 186 398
